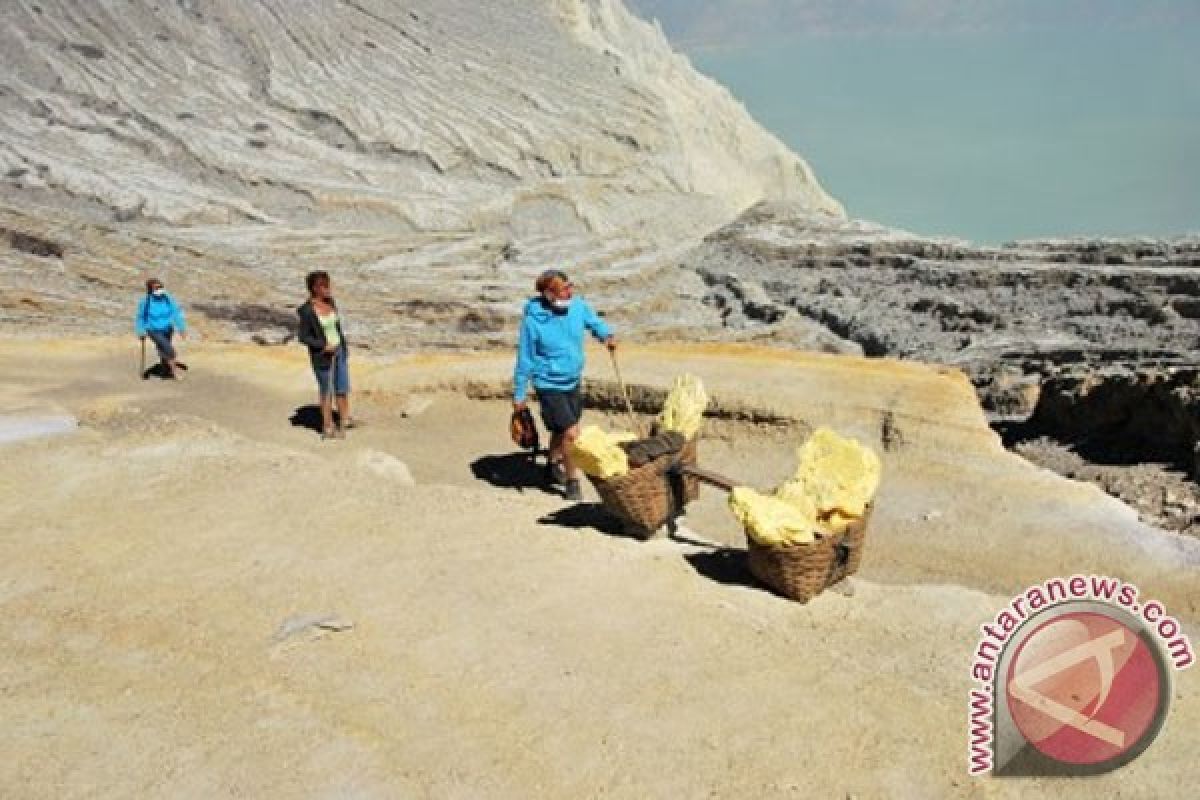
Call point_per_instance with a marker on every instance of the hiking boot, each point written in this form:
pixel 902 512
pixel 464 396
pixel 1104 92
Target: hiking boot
pixel 573 492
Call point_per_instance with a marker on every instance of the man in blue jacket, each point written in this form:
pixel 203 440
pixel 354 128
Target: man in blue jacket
pixel 550 354
pixel 160 317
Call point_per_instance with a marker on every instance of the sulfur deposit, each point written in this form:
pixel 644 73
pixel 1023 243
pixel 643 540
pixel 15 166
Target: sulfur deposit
pixel 833 484
pixel 605 455
pixel 771 520
pixel 683 411
pixel 834 474
pixel 599 454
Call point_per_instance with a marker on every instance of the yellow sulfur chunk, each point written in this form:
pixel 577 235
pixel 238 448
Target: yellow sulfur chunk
pixel 835 474
pixel 837 522
pixel 683 411
pixel 597 453
pixel 771 521
pixel 834 482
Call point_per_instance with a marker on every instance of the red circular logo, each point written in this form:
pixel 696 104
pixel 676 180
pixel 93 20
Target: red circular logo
pixel 1085 688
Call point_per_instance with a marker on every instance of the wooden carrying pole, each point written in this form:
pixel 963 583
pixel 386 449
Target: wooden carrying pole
pixel 625 394
pixel 709 477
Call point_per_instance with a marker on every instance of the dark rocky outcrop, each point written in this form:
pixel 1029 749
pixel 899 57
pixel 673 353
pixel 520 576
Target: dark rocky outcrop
pixel 1124 416
pixel 31 244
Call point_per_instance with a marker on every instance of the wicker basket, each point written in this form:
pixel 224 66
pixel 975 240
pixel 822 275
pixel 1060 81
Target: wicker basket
pixel 803 571
pixel 645 498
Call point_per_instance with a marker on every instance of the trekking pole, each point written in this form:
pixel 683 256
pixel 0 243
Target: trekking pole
pixel 625 393
pixel 142 366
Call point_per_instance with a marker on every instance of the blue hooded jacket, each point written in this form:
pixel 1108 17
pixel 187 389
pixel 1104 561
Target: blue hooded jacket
pixel 550 351
pixel 158 314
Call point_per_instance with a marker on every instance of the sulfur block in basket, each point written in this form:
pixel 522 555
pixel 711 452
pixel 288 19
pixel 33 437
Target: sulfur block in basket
pixel 599 454
pixel 770 520
pixel 835 473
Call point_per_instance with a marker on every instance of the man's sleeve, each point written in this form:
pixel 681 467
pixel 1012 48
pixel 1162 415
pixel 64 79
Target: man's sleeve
pixel 524 369
pixel 597 326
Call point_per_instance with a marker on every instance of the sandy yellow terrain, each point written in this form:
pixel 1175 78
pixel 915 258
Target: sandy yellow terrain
pixel 503 644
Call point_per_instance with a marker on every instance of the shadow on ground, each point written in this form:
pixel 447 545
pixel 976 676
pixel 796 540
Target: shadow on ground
pixel 726 565
pixel 1118 445
pixel 307 417
pixel 518 471
pixel 159 371
pixel 587 515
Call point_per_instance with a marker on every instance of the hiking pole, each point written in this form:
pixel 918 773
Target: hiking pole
pixel 142 367
pixel 625 393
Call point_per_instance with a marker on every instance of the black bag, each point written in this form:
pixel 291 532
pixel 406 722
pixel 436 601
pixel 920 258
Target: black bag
pixel 524 430
pixel 643 451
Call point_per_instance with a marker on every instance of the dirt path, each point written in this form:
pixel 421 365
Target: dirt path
pixel 502 646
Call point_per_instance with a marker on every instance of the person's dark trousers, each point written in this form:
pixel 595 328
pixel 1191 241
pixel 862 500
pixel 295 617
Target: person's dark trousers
pixel 162 341
pixel 560 410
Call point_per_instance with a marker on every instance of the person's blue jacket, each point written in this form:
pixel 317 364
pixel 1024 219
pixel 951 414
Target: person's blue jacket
pixel 158 314
pixel 550 351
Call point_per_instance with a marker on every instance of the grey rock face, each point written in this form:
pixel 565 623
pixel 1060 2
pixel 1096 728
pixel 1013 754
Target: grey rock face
pixel 1025 308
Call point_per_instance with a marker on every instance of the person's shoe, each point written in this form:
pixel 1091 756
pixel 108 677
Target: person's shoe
pixel 328 433
pixel 573 492
pixel 555 474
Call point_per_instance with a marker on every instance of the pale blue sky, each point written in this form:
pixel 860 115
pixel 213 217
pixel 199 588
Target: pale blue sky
pixel 987 119
pixel 698 24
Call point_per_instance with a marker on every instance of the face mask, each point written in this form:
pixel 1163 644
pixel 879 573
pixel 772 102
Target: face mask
pixel 159 292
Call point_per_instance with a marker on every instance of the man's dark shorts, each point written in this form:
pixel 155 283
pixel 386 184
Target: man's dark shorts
pixel 162 342
pixel 560 410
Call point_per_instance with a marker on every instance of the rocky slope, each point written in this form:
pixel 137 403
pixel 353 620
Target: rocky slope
pixel 1034 306
pixel 420 145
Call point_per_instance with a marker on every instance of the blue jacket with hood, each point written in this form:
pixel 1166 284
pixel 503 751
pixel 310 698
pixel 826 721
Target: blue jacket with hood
pixel 158 314
pixel 550 351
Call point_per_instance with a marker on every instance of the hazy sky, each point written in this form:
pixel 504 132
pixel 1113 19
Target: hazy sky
pixel 704 24
pixel 989 119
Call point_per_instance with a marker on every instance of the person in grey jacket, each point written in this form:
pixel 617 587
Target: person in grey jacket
pixel 320 329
